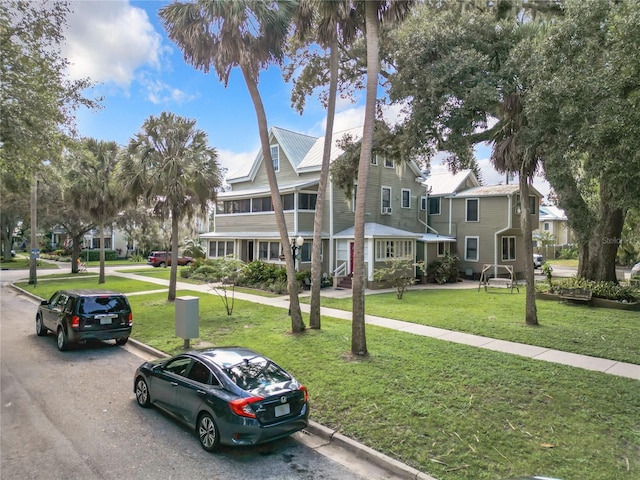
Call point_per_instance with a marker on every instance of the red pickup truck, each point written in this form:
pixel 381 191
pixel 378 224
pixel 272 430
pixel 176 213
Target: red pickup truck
pixel 159 259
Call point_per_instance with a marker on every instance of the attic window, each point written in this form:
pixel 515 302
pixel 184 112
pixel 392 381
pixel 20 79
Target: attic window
pixel 275 157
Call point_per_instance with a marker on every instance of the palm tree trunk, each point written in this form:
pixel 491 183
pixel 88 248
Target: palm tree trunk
pixel 316 266
pixel 531 311
pixel 101 276
pixel 173 276
pixel 297 324
pixel 358 336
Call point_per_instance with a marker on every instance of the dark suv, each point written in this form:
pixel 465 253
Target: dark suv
pixel 79 315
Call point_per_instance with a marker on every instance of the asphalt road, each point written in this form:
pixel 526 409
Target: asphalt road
pixel 73 415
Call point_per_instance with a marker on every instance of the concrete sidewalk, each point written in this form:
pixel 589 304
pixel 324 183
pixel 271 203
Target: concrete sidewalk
pixel 611 367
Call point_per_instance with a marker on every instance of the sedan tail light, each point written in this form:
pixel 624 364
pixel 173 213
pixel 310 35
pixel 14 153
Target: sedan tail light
pixel 304 390
pixel 242 406
pixel 75 321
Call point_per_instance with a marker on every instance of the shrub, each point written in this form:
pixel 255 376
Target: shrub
pixel 444 270
pixel 568 253
pixel 258 272
pixel 399 274
pixel 607 290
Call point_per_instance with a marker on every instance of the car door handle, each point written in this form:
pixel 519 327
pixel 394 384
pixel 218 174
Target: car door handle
pixel 175 384
pixel 201 392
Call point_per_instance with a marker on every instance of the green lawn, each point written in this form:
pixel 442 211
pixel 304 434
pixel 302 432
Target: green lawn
pixel 453 411
pixel 45 288
pixel 497 313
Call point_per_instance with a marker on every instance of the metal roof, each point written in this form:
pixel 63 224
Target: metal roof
pixel 448 183
pixel 265 190
pixel 372 229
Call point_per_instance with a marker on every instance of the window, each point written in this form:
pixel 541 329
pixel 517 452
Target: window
pixel 434 205
pixel 388 249
pixel 305 251
pixel 406 198
pixel 269 250
pixel 508 248
pixel 288 201
pixel 275 157
pixel 388 163
pixel 472 210
pixel 443 248
pixel 374 160
pixel 471 249
pixel 178 366
pixel 533 203
pixel 274 251
pixel 261 204
pixel 307 201
pixel 220 248
pixel 423 202
pixel 547 227
pixel 199 373
pixel 386 199
pixel 236 206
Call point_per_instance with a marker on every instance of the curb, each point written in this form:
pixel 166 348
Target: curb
pixel 394 467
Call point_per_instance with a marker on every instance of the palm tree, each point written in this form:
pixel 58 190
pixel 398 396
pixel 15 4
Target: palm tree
pixel 374 12
pixel 251 35
pixel 510 155
pixel 171 167
pixel 94 186
pixel 333 20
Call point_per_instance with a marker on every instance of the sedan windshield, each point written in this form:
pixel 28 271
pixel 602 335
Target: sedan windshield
pixel 256 372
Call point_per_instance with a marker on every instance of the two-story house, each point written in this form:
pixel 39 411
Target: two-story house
pixel 484 219
pixel 401 219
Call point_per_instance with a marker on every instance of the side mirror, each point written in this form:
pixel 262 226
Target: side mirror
pixel 44 302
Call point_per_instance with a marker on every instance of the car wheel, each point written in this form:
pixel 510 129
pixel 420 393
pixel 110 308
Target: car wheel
pixel 142 393
pixel 41 331
pixel 63 341
pixel 122 340
pixel 208 432
pixel 188 264
pixel 162 264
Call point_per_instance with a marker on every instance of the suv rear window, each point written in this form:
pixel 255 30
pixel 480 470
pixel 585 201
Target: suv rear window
pixel 106 304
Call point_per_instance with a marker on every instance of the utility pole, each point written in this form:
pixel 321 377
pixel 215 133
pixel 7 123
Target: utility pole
pixel 33 258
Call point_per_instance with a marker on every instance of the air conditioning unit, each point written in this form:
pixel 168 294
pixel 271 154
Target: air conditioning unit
pixel 386 210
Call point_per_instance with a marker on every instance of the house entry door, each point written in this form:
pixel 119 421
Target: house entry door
pixel 250 251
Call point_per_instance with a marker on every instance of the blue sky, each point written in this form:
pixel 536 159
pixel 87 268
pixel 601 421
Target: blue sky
pixel 121 45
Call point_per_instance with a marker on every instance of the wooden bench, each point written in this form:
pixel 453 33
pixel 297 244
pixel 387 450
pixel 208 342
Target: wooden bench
pixel 576 294
pixel 502 282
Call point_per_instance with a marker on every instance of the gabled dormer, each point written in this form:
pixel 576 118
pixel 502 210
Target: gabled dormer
pixel 288 149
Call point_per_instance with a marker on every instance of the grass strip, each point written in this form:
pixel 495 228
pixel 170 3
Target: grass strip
pixel 497 313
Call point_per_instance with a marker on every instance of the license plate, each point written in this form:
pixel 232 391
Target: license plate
pixel 106 319
pixel 284 409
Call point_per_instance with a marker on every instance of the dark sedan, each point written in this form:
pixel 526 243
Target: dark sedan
pixel 229 395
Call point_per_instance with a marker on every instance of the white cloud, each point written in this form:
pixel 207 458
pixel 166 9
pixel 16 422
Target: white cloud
pixel 158 92
pixel 108 41
pixel 234 161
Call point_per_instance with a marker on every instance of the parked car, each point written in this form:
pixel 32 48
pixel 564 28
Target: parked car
pixel 228 395
pixel 80 315
pixel 159 259
pixel 538 261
